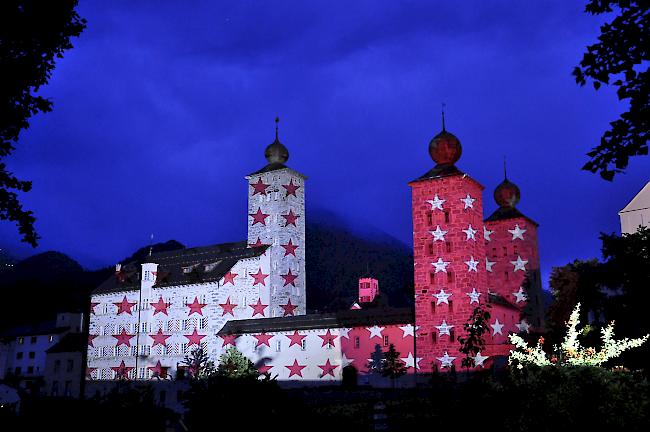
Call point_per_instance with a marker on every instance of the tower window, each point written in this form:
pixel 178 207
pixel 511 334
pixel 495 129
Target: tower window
pixel 452 335
pixel 447 216
pixel 430 248
pixel 494 252
pixel 434 337
pixel 451 305
pixel 448 246
pixel 385 341
pixel 514 249
pixel 507 275
pixel 450 276
pixel 357 342
pixel 429 219
pixel 505 251
pixel 432 278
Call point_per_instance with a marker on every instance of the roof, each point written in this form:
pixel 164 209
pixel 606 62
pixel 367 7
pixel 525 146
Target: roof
pixel 503 213
pixel 41 328
pixel 500 300
pixel 439 171
pixel 183 266
pixel 72 342
pixel 641 200
pixel 273 167
pixel 345 318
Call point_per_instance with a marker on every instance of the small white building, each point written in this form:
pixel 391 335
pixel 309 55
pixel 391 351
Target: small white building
pixel 637 212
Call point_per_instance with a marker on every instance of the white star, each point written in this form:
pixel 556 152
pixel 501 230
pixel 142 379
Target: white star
pixel 470 232
pixel 446 360
pixel 468 201
pixel 441 266
pixel 487 233
pixel 344 332
pixel 517 233
pixel 442 297
pixel 345 361
pixel 520 295
pixel 520 264
pixel 471 264
pixel 479 359
pixel 497 327
pixel 411 361
pixel 474 296
pixel 489 264
pixel 408 330
pixel 375 331
pixel 436 203
pixel 438 234
pixel 523 326
pixel 444 328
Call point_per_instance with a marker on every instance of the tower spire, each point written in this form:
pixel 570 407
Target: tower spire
pixel 443 116
pixel 277 120
pixel 505 172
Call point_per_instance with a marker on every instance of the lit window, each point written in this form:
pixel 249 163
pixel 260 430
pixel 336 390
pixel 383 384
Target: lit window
pixel 385 341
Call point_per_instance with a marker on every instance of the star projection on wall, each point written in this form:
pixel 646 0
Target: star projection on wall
pixel 259 187
pixel 290 218
pixel 289 248
pixel 468 201
pixel 517 233
pixel 258 308
pixel 295 369
pixel 440 265
pixel 520 264
pixel 228 308
pixel 259 277
pixel 288 308
pixel 446 360
pixel 328 368
pixel 473 296
pixel 123 338
pixel 436 203
pixel 196 307
pixel 229 278
pixel 259 217
pixel 291 188
pixel 442 297
pixel 160 306
pixel 159 338
pixel 124 306
pixel 438 234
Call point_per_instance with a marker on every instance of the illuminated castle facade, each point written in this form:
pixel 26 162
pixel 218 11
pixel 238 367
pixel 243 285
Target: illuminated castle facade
pixel 146 318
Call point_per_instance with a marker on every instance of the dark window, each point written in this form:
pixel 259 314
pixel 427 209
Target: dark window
pixel 430 248
pixel 55 388
pixel 32 354
pixel 70 366
pixel 385 341
pixel 451 305
pixel 448 246
pixel 429 219
pixel 507 276
pixel 514 250
pixel 30 369
pixel 19 355
pixel 21 340
pixel 18 370
pixel 434 337
pixel 432 278
pixel 452 335
pixel 450 276
pixel 433 306
pixel 67 392
pixel 33 340
pixel 505 251
pixel 356 342
pixel 494 252
pixel 57 365
pixel 447 217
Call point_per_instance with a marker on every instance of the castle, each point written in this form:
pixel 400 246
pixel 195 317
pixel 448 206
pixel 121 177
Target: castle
pixel 145 319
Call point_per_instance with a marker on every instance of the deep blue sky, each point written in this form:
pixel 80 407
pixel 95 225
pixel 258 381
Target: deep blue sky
pixel 162 107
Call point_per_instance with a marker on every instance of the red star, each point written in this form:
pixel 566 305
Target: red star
pixel 122 371
pixel 92 307
pixel 327 338
pixel 90 340
pixel 123 338
pixel 295 338
pixel 89 371
pixel 289 278
pixel 258 308
pixel 159 371
pixel 228 308
pixel 328 368
pixel 124 306
pixel 259 187
pixel 229 277
pixel 291 188
pixel 291 218
pixel 229 340
pixel 258 243
pixel 196 307
pixel 259 277
pixel 194 338
pixel 263 339
pixel 264 369
pixel 160 306
pixel 295 369
pixel 259 217
pixel 159 338
pixel 290 248
pixel 288 308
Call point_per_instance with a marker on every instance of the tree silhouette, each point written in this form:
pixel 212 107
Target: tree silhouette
pixel 393 367
pixel 233 364
pixel 621 54
pixel 32 35
pixel 473 342
pixel 199 365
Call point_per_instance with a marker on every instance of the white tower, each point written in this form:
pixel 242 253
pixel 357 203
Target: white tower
pixel 276 216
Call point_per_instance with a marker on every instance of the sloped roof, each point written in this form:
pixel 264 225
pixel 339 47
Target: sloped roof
pixel 345 318
pixel 72 342
pixel 276 166
pixel 640 201
pixel 184 266
pixel 503 213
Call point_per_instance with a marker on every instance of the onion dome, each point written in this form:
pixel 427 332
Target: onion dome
pixel 276 152
pixel 445 148
pixel 507 194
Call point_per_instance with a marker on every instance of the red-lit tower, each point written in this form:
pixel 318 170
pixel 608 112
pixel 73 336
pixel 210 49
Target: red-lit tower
pixel 512 254
pixel 449 253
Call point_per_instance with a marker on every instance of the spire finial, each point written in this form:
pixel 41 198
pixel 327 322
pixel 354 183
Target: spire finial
pixel 505 172
pixel 151 245
pixel 277 120
pixel 443 116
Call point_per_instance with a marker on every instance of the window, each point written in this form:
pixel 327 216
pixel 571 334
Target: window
pixel 67 390
pixel 134 350
pixel 451 305
pixel 19 355
pixel 32 354
pixel 385 341
pixel 452 335
pixel 507 275
pixel 434 337
pixel 432 278
pixel 278 346
pixel 30 369
pixel 50 339
pixel 429 219
pixel 448 246
pixel 55 388
pixel 18 370
pixel 33 340
pixel 430 248
pixel 505 251
pixel 514 250
pixel 57 365
pixel 447 216
pixel 21 340
pixel 303 344
pixel 70 365
pixel 494 252
pixel 357 342
pixel 145 350
pixel 186 324
pixel 144 327
pixel 141 373
pixel 450 276
pixel 433 306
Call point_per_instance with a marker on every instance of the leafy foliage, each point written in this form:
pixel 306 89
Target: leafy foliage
pixel 198 364
pixel 570 352
pixel 234 364
pixel 473 341
pixel 32 35
pixel 620 58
